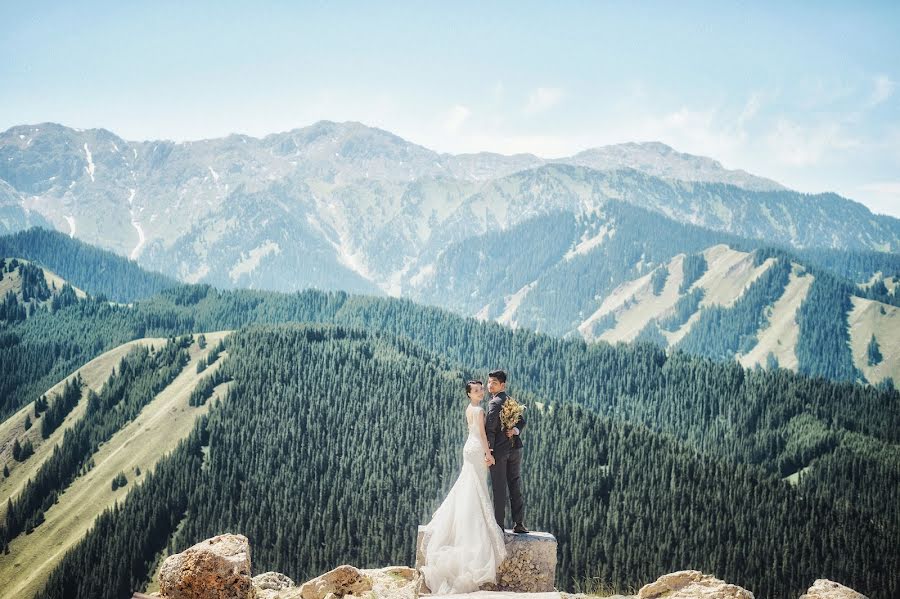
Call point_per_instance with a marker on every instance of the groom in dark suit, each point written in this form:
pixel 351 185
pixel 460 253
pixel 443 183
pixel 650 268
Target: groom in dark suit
pixel 506 473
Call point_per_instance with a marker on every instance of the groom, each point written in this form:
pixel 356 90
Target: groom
pixel 507 450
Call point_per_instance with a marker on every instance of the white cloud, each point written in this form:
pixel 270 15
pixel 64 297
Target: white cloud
pixel 882 197
pixel 883 89
pixel 455 118
pixel 886 187
pixel 545 146
pixel 751 108
pixel 806 145
pixel 542 99
pixel 498 91
pixel 711 132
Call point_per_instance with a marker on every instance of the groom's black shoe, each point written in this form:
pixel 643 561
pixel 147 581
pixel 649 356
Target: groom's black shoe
pixel 519 529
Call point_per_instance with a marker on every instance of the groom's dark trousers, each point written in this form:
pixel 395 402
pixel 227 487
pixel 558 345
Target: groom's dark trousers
pixel 506 473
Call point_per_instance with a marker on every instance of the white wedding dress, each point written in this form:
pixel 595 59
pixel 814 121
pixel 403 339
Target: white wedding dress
pixel 463 546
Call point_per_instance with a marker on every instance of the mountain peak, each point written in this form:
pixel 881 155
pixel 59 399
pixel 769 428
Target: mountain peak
pixel 353 142
pixel 51 127
pixel 661 160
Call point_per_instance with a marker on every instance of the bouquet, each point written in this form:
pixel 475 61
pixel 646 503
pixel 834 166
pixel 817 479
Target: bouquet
pixel 510 413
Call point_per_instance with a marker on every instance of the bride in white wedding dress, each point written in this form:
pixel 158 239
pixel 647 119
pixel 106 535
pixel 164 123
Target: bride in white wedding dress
pixel 463 546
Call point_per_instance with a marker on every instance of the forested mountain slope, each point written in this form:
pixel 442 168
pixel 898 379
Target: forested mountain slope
pixel 97 271
pixel 102 428
pixel 624 273
pixel 284 460
pixel 778 439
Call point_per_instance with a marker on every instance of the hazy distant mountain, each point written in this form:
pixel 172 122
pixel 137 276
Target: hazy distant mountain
pixel 345 206
pixel 13 215
pixel 372 201
pixel 660 160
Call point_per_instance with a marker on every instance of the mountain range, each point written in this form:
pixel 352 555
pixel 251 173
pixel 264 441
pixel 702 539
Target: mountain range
pixel 566 246
pixel 126 434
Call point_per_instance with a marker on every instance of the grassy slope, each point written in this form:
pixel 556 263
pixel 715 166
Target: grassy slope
pixel 630 321
pixel 11 280
pixel 93 374
pixel 864 320
pixel 141 443
pixel 781 334
pixel 730 273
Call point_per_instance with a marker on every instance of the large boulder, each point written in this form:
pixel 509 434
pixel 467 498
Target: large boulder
pixel 343 580
pixel 270 585
pixel 827 589
pixel 217 568
pixel 692 584
pixel 529 567
pixel 392 582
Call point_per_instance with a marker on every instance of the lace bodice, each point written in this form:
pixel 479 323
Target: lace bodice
pixel 472 419
pixel 473 451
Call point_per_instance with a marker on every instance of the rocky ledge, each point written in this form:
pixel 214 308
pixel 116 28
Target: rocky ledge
pixel 220 568
pixel 529 567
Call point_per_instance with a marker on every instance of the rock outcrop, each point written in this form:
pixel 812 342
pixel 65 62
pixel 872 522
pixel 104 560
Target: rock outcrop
pixel 268 585
pixel 529 567
pixel 827 589
pixel 342 581
pixel 692 584
pixel 217 568
pixel 564 595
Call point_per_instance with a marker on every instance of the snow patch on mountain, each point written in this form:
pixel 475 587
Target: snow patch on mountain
pixel 393 286
pixel 251 261
pixel 483 313
pixel 586 244
pixel 136 251
pixel 141 239
pixel 90 161
pixel 352 258
pixel 512 304
pixel 71 220
pixel 424 273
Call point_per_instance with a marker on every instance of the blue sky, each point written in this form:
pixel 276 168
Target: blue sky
pixel 804 93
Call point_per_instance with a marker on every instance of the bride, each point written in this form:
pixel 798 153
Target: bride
pixel 463 546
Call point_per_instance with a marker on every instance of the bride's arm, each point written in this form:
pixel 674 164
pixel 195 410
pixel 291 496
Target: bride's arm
pixel 484 443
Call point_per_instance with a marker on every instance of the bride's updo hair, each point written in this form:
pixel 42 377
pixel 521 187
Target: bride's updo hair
pixel 470 383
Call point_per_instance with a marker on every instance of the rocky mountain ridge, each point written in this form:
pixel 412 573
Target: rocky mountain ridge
pixel 220 568
pixel 544 244
pixel 342 205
